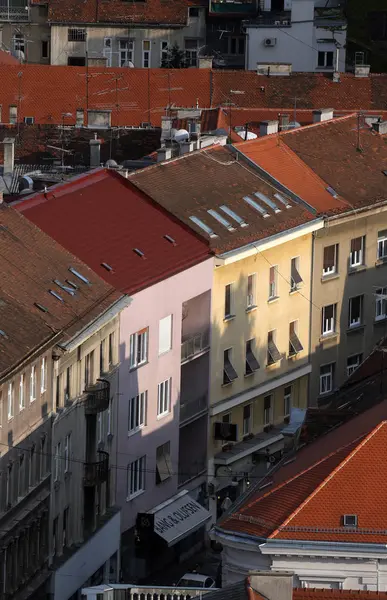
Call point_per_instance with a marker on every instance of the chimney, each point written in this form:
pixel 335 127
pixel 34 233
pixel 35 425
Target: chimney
pixel 284 121
pixel 323 114
pixel 9 155
pixel 268 127
pixel 380 127
pixel 273 585
pixel 362 70
pixel 186 147
pixel 166 126
pixel 95 152
pixel 205 62
pixel 164 154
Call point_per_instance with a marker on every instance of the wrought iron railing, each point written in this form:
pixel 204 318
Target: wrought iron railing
pixel 194 345
pixel 96 472
pixel 193 408
pixel 97 397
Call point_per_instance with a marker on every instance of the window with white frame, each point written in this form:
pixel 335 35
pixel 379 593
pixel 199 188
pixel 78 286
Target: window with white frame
pixel 139 348
pixel 43 375
pixel 247 420
pixel 356 255
pixel 137 412
pixel 102 349
pixel 328 323
pixel 353 362
pixel 382 245
pixel 325 59
pixel 287 400
pixel 164 397
pixel 146 54
pixel 295 277
pixel 22 399
pixel 228 301
pixel 330 265
pixel 251 290
pixel 273 282
pixel 191 52
pixel 10 400
pixel 33 383
pixel 381 303
pixel 267 410
pixel 126 52
pixel 163 462
pixel 67 451
pixel 57 459
pixel 136 477
pixel 164 52
pixel 165 334
pixel 355 311
pixel 19 43
pixel 326 378
pixel 89 368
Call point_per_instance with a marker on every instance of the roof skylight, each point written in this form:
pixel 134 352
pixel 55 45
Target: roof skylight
pixel 267 201
pixel 79 275
pixel 221 219
pixel 41 307
pixel 332 191
pixel 3 334
pixel 106 266
pixel 73 285
pixel 57 296
pixel 204 227
pixel 283 200
pixel 64 287
pixel 233 215
pixel 257 206
pixel 139 252
pixel 170 239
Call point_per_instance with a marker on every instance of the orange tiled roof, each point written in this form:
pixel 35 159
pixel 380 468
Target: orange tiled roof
pixel 340 473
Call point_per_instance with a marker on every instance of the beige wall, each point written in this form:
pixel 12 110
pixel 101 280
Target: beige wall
pixel 35 30
pixel 339 288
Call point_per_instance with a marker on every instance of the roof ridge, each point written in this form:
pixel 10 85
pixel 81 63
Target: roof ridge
pixel 345 461
pixel 319 124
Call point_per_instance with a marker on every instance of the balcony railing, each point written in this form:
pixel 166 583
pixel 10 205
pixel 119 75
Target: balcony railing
pixel 189 410
pixel 13 13
pixel 195 345
pixel 97 397
pixel 96 472
pixel 224 7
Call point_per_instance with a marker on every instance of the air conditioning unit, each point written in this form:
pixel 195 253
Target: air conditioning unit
pixel 269 42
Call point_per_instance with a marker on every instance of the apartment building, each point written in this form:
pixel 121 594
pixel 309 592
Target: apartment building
pixel 348 281
pixel 160 414
pixel 24 31
pixel 36 320
pixel 260 310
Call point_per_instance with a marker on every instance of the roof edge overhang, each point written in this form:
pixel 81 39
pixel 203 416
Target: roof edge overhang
pixel 353 214
pixel 332 548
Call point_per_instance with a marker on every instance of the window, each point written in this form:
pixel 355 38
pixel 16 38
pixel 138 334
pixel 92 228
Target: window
pixel 10 400
pixel 273 354
pixel 328 324
pixel 65 540
pixel 251 288
pixel 8 489
pixel 55 536
pixel 164 52
pixel 43 375
pixel 228 301
pixel 29 120
pixel 102 356
pixel 325 59
pixel 33 384
pixel 295 345
pixel 89 368
pixel 126 52
pixel 326 378
pixel 355 315
pixel 353 362
pixel 22 478
pixel 32 473
pixel 350 520
pixel 229 373
pixel 247 419
pixel 79 117
pixel 236 45
pixel 251 362
pixel 44 49
pixel 164 397
pixel 67 388
pixel 76 61
pixel 137 412
pixel 382 245
pixel 273 277
pixel 165 334
pixel 191 53
pixel 22 400
pixel 13 114
pixel 295 277
pixel 100 432
pixel 136 477
pixel 267 411
pixel 111 350
pixel 67 450
pixel 107 50
pixel 43 458
pixel 193 11
pixel 146 54
pixel 287 400
pixel 18 42
pixel 381 303
pixel 76 35
pixel 163 463
pixel 356 256
pixel 139 348
pixel 330 259
pixel 57 459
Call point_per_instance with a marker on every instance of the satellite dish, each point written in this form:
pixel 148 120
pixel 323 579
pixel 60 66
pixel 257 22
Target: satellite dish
pixel 250 135
pixel 111 164
pixel 180 135
pixel 128 63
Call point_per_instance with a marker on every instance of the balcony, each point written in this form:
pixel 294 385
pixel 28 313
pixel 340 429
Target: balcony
pixel 13 11
pixel 97 397
pixel 195 346
pixel 193 409
pixel 273 19
pixel 96 472
pixel 232 7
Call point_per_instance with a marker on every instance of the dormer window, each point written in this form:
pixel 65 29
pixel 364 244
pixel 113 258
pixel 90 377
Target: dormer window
pixel 350 520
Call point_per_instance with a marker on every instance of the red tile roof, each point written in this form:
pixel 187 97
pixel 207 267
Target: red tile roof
pixel 7 59
pixel 100 217
pixel 307 498
pixel 327 594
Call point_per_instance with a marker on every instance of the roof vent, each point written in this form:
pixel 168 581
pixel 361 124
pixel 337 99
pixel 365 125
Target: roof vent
pixel 350 520
pixel 41 307
pixel 57 296
pixel 170 239
pixel 79 275
pixel 65 288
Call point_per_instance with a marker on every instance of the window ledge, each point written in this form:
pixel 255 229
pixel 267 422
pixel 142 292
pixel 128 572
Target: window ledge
pixel 273 364
pixel 227 384
pixel 133 431
pixel 250 374
pixel 251 308
pixel 329 277
pixel 356 269
pixel 133 496
pixel 381 320
pixel 273 299
pixel 356 328
pixel 163 415
pixel 328 336
pixel 294 291
pixel 131 369
pixel 293 355
pixel 164 352
pixel 228 318
pixel 381 261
